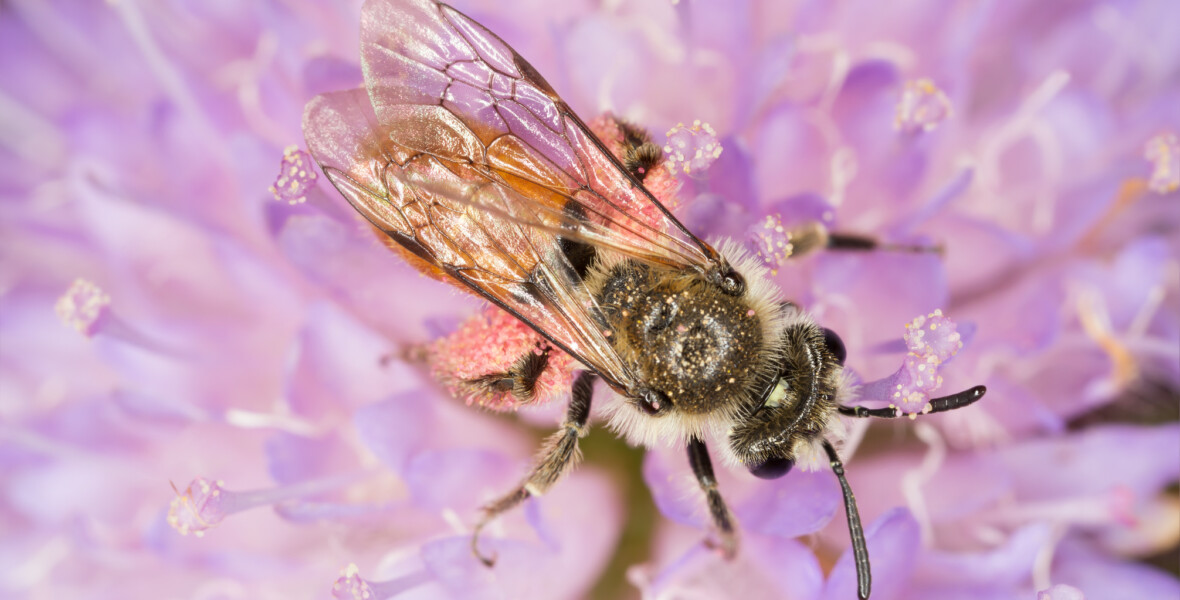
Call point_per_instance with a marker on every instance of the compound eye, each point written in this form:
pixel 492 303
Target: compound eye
pixel 653 402
pixel 835 345
pixel 772 468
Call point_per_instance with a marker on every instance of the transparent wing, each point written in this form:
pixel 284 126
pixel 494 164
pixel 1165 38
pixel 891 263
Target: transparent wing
pixel 462 153
pixel 457 223
pixel 448 87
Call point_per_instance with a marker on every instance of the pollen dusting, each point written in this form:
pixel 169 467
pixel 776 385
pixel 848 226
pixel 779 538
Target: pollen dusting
pixel 931 340
pixel 351 586
pixel 1163 151
pixel 943 340
pixel 922 107
pixel 691 148
pixel 198 508
pixel 771 242
pixel 297 173
pixel 479 361
pixel 82 306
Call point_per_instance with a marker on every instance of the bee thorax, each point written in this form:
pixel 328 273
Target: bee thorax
pixel 685 337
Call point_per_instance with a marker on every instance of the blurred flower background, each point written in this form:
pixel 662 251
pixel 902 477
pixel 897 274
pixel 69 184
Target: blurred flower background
pixel 182 301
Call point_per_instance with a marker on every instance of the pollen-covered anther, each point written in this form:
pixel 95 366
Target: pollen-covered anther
pixel 204 504
pixel 931 340
pixel 351 586
pixel 691 148
pixel 297 173
pixel 933 335
pixel 1163 151
pixel 922 107
pixel 771 242
pixel 82 306
pixel 198 508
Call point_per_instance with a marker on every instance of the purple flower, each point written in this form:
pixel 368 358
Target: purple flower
pixel 184 300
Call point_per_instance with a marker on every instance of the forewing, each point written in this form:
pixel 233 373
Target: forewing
pixel 447 87
pixel 459 223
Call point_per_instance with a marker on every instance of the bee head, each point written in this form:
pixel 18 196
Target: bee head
pixel 796 405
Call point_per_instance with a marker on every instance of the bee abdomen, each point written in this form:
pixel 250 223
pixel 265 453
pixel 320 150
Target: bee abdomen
pixel 579 254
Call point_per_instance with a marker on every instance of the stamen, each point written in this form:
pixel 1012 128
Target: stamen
pixel 204 504
pixel 83 306
pixel 201 506
pixel 931 340
pixel 692 148
pixel 1096 323
pixel 351 586
pixel 297 173
pixel 922 107
pixel 86 308
pixel 1163 151
pixel 933 335
pixel 169 76
pixel 1061 592
pixel 771 242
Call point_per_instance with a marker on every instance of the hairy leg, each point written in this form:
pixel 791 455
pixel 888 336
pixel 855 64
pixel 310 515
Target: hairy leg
pixel 559 453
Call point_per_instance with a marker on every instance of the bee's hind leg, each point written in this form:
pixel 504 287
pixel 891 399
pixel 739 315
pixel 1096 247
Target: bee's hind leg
pixel 520 379
pixel 702 467
pixel 559 453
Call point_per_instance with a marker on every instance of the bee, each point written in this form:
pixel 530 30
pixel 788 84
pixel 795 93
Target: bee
pixel 478 173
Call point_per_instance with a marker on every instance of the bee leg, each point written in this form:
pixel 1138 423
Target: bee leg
pixel 559 453
pixel 520 380
pixel 702 467
pixel 860 550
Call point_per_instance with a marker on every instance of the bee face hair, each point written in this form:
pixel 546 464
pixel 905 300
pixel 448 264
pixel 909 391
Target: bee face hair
pixel 799 403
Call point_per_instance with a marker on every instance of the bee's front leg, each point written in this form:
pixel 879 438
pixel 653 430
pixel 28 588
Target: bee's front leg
pixel 702 467
pixel 559 453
